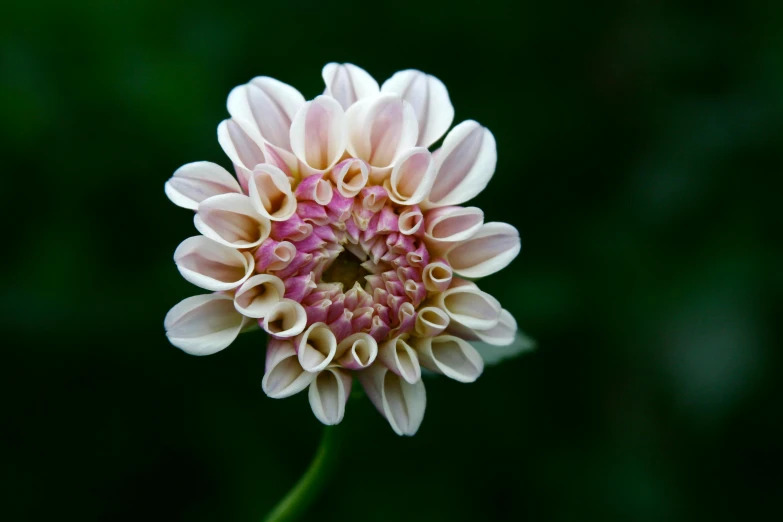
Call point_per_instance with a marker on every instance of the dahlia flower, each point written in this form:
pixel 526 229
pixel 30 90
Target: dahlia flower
pixel 344 238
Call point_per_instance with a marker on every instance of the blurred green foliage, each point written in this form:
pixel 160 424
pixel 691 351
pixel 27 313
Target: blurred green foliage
pixel 639 155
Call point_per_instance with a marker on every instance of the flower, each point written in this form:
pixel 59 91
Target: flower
pixel 343 237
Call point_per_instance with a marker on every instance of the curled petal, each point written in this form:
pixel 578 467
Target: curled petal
pixel 466 305
pixel 204 324
pixel 274 255
pixel 286 319
pixel 270 193
pixel 493 354
pixel 316 347
pixel 270 105
pixel 357 351
pixel 348 83
pixel 318 134
pixel 411 178
pixel 194 182
pixel 400 358
pixel 410 220
pixel 450 224
pixel 212 265
pixel 381 128
pixel 437 276
pixel 258 295
pixel 451 356
pixel 329 392
pixel 400 402
pixel 429 99
pixel 502 334
pixel 283 375
pixel 350 176
pixel 464 165
pixel 315 188
pixel 239 145
pixel 491 249
pixel 431 321
pixel 231 220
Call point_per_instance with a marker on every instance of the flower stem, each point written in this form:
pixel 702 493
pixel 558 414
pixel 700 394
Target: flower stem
pixel 294 504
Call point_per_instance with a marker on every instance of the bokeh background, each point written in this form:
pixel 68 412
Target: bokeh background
pixel 639 155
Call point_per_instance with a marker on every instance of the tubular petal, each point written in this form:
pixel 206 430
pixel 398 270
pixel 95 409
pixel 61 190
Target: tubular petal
pixel 283 374
pixel 430 101
pixel 348 83
pixel 192 183
pixel 316 347
pixel 329 392
pixel 451 356
pixel 465 304
pixel 400 358
pixel 412 177
pixel 212 265
pixel 286 319
pixel 400 402
pixel 318 134
pixel 258 295
pixel 204 324
pixel 270 192
pixel 230 219
pixel 491 249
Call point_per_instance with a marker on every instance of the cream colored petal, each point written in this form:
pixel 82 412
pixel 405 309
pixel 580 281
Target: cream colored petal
pixel 491 249
pixel 429 98
pixel 431 321
pixel 399 357
pixel 230 219
pixel 348 83
pixel 329 392
pixel 286 319
pixel 212 265
pixel 270 105
pixel 284 375
pixel 258 295
pixel 357 351
pixel 492 354
pixel 451 224
pixel 204 324
pixel 465 304
pixel 270 193
pixel 464 165
pixel 411 177
pixel 239 145
pixel 437 276
pixel 400 402
pixel 380 129
pixel 451 356
pixel 318 134
pixel 316 347
pixel 194 182
pixel 350 176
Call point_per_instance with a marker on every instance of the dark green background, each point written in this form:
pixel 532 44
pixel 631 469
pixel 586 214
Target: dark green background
pixel 640 156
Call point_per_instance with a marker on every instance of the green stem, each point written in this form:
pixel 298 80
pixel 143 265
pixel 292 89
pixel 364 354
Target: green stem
pixel 294 504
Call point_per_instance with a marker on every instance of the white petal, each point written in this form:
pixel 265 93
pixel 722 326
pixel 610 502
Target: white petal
pixel 466 305
pixel 318 134
pixel 204 324
pixel 212 265
pixel 316 347
pixel 270 192
pixel 450 356
pixel 450 224
pixel 400 358
pixel 494 354
pixel 491 249
pixel 258 295
pixel 348 83
pixel 464 165
pixel 381 128
pixel 400 402
pixel 270 105
pixel 194 182
pixel 230 219
pixel 350 176
pixel 328 394
pixel 286 319
pixel 437 276
pixel 430 321
pixel 429 99
pixel 284 375
pixel 236 141
pixel 357 351
pixel 411 177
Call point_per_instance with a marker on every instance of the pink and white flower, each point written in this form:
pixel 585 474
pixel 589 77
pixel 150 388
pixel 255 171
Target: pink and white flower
pixel 344 238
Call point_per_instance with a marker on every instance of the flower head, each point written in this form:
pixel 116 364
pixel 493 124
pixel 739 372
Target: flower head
pixel 343 237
